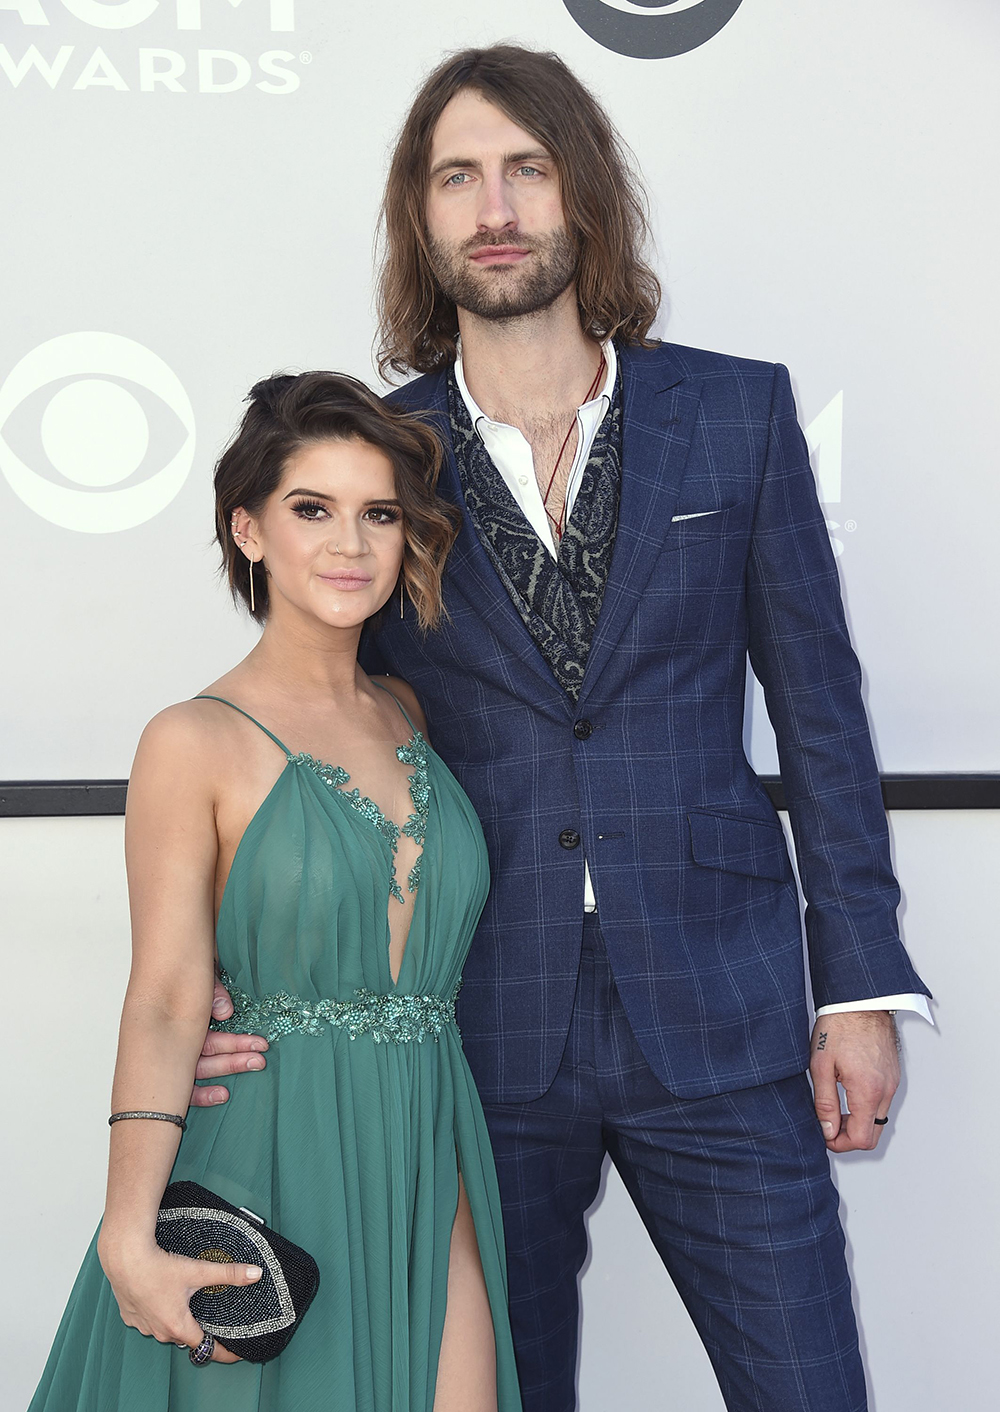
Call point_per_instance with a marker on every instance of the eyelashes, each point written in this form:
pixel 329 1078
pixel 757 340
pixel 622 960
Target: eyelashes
pixel 302 508
pixel 313 510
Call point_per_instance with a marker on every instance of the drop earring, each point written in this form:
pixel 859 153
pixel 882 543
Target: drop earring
pixel 401 595
pixel 253 605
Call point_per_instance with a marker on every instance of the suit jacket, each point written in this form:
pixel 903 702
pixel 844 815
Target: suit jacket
pixel 697 899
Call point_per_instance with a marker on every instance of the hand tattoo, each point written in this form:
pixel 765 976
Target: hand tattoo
pixel 821 1042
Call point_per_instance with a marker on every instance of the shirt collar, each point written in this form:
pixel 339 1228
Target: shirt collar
pixel 604 393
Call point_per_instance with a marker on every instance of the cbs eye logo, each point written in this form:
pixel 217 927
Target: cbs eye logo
pixel 94 432
pixel 678 26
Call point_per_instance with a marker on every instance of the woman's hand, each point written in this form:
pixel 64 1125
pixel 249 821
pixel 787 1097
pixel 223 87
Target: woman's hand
pixel 153 1289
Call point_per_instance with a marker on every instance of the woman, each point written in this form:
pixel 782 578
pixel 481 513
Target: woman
pixel 346 865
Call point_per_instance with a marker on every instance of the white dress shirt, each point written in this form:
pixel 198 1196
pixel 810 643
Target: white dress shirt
pixel 511 453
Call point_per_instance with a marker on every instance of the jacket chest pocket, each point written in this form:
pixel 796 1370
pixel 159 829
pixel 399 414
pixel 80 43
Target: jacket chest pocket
pixel 698 526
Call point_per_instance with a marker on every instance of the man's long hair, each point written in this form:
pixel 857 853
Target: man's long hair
pixel 604 205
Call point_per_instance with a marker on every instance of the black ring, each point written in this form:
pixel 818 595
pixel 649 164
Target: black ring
pixel 881 1122
pixel 203 1353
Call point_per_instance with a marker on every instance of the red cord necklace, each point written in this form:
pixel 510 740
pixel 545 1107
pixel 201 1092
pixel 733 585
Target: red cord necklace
pixel 557 524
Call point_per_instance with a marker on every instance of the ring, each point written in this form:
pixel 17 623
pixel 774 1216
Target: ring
pixel 881 1122
pixel 203 1353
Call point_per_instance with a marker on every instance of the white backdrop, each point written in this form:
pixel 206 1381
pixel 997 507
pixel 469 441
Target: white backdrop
pixel 191 189
pixel 194 184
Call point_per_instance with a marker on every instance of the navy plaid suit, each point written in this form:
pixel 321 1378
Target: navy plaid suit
pixel 698 953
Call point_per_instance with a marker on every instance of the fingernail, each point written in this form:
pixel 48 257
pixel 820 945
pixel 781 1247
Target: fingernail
pixel 827 1128
pixel 254 1272
pixel 219 1095
pixel 255 1062
pixel 259 1044
pixel 219 1004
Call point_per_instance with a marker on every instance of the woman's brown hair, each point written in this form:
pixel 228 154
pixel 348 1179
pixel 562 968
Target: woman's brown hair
pixel 289 411
pixel 603 202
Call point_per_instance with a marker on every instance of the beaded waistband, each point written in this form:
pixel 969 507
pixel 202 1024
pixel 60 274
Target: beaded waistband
pixel 389 1019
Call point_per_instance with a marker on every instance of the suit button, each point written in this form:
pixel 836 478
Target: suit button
pixel 569 838
pixel 583 730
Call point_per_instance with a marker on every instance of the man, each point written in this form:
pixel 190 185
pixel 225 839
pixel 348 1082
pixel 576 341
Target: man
pixel 638 517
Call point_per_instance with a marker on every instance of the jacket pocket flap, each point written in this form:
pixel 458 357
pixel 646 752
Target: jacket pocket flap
pixel 739 845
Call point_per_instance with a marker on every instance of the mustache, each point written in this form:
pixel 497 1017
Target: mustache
pixel 485 242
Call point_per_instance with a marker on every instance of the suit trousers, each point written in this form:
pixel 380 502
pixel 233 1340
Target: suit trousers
pixel 734 1190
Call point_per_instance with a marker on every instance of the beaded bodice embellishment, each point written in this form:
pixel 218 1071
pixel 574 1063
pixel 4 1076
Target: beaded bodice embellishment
pixel 414 753
pixel 389 1019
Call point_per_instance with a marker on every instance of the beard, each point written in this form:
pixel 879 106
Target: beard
pixel 506 291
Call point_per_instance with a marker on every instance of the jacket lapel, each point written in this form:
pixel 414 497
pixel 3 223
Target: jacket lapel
pixel 469 571
pixel 659 415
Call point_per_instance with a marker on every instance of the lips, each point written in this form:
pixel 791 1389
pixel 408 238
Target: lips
pixel 346 580
pixel 500 255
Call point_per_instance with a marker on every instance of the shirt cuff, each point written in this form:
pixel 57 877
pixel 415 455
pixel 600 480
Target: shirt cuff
pixel 882 1002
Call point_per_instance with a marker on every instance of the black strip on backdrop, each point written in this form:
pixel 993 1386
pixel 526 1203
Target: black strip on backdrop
pixel 25 799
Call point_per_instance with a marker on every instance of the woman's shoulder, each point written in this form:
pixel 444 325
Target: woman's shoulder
pixel 185 737
pixel 407 698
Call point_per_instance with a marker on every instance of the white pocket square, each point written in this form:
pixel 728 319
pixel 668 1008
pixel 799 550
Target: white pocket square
pixel 695 515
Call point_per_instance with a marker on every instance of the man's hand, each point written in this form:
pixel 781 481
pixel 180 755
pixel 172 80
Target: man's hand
pixel 859 1050
pixel 224 1053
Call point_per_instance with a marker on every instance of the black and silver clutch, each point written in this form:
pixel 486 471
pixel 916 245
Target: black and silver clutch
pixel 253 1321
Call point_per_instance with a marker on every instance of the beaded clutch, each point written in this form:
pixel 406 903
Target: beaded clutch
pixel 253 1321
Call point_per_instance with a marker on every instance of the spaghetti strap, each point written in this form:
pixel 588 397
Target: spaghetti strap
pixel 279 743
pixel 398 703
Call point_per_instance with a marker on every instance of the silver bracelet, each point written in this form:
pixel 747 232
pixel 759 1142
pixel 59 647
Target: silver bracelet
pixel 147 1113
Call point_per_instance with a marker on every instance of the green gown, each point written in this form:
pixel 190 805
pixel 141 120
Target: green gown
pixel 351 1140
